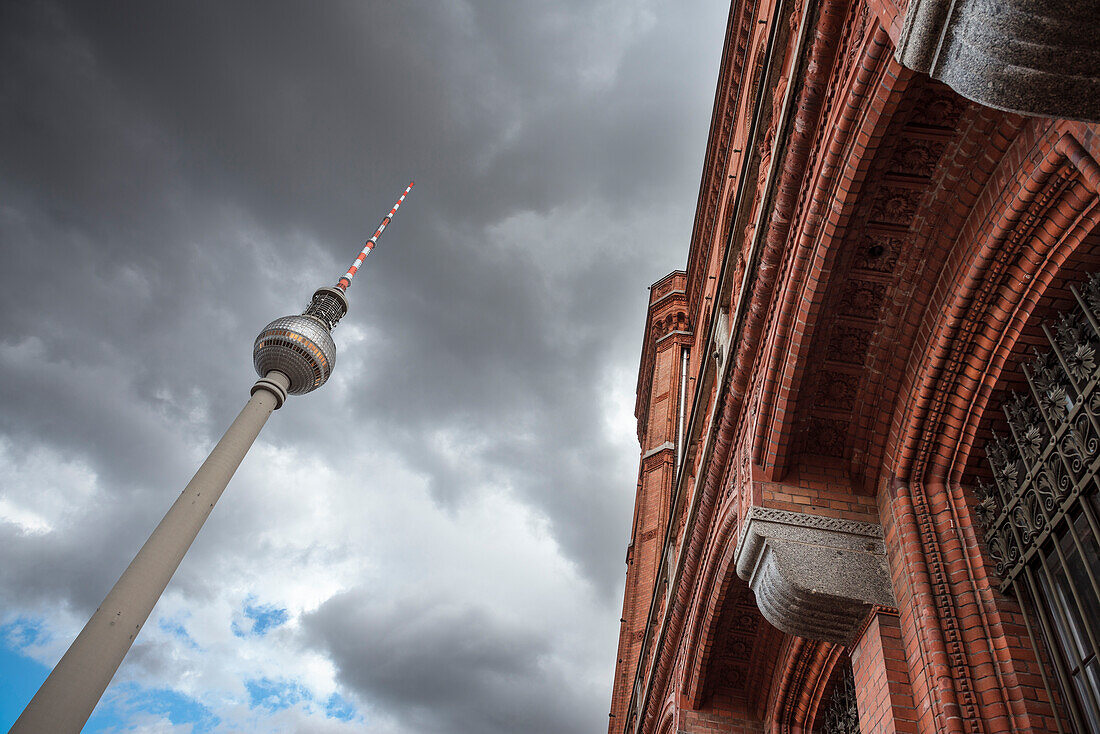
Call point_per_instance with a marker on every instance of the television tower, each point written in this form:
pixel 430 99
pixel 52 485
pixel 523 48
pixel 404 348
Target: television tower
pixel 292 355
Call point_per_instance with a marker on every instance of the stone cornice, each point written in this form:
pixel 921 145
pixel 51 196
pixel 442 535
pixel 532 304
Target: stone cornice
pixel 1009 60
pixel 666 446
pixel 678 337
pixel 655 457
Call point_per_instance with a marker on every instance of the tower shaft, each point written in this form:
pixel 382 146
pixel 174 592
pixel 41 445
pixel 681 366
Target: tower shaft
pixel 294 355
pixel 72 690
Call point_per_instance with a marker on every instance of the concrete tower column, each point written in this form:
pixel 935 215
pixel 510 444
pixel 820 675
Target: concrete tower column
pixel 293 355
pixel 65 701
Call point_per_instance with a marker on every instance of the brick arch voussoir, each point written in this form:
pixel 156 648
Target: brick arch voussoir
pixel 1082 218
pixel 878 87
pixel 718 577
pixel 1044 214
pixel 975 156
pixel 793 167
pixel 802 678
pixel 666 720
pixel 802 146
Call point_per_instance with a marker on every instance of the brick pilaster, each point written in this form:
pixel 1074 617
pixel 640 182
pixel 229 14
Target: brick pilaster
pixel 883 692
pixel 715 720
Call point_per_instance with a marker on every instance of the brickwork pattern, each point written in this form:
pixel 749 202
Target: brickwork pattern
pixel 883 691
pixel 657 410
pixel 876 263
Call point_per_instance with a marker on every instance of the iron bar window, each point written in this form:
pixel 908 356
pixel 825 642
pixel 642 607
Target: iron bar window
pixel 841 713
pixel 1042 515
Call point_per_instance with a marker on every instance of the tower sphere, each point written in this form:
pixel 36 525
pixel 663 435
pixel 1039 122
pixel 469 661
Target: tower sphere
pixel 298 346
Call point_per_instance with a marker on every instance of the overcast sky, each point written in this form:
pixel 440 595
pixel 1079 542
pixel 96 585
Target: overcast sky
pixel 434 541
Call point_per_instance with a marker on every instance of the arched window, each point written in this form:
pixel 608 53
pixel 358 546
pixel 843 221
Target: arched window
pixel 840 715
pixel 1042 513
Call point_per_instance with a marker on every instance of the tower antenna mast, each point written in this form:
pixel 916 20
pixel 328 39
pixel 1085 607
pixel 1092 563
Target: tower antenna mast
pixel 293 355
pixel 345 280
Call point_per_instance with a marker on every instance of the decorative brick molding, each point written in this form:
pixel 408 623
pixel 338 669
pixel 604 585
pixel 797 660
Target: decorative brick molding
pixel 803 671
pixel 797 135
pixel 1038 216
pixel 667 324
pixel 815 577
pixel 875 277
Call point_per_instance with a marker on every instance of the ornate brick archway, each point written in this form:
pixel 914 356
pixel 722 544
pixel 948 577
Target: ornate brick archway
pixel 801 684
pixel 1047 209
pixel 868 250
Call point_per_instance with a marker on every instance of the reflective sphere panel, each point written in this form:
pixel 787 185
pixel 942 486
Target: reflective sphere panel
pixel 298 346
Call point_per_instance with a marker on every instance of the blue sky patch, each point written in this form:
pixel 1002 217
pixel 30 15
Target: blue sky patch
pixel 125 700
pixel 275 695
pixel 23 632
pixel 263 618
pixel 338 707
pixel 177 630
pixel 21 676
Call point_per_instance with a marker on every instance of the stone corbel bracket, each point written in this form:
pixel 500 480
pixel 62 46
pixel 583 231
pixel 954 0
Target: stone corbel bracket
pixel 1032 56
pixel 814 577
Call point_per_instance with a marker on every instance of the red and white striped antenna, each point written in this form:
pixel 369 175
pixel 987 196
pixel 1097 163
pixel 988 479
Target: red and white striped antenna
pixel 345 280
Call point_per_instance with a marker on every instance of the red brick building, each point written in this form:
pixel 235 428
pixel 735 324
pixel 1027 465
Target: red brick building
pixel 877 247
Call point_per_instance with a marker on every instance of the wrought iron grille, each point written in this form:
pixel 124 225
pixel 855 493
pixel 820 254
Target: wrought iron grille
pixel 841 714
pixel 1041 513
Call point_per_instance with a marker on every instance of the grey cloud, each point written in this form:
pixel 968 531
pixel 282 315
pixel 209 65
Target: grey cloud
pixel 296 117
pixel 438 667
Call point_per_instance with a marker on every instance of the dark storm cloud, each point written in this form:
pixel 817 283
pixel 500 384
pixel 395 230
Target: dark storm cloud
pixel 174 175
pixel 438 667
pixel 144 127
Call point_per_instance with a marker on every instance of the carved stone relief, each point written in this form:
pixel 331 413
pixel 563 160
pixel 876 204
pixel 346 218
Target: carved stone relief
pixel 916 157
pixel 734 642
pixel 848 343
pixel 862 299
pixel 895 204
pixel 935 109
pixel 825 436
pixel 878 252
pixel 836 390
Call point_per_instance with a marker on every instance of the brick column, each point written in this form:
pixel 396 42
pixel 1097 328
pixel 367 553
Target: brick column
pixel 715 720
pixel 657 410
pixel 883 692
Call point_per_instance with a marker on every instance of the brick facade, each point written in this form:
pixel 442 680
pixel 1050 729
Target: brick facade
pixel 871 258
